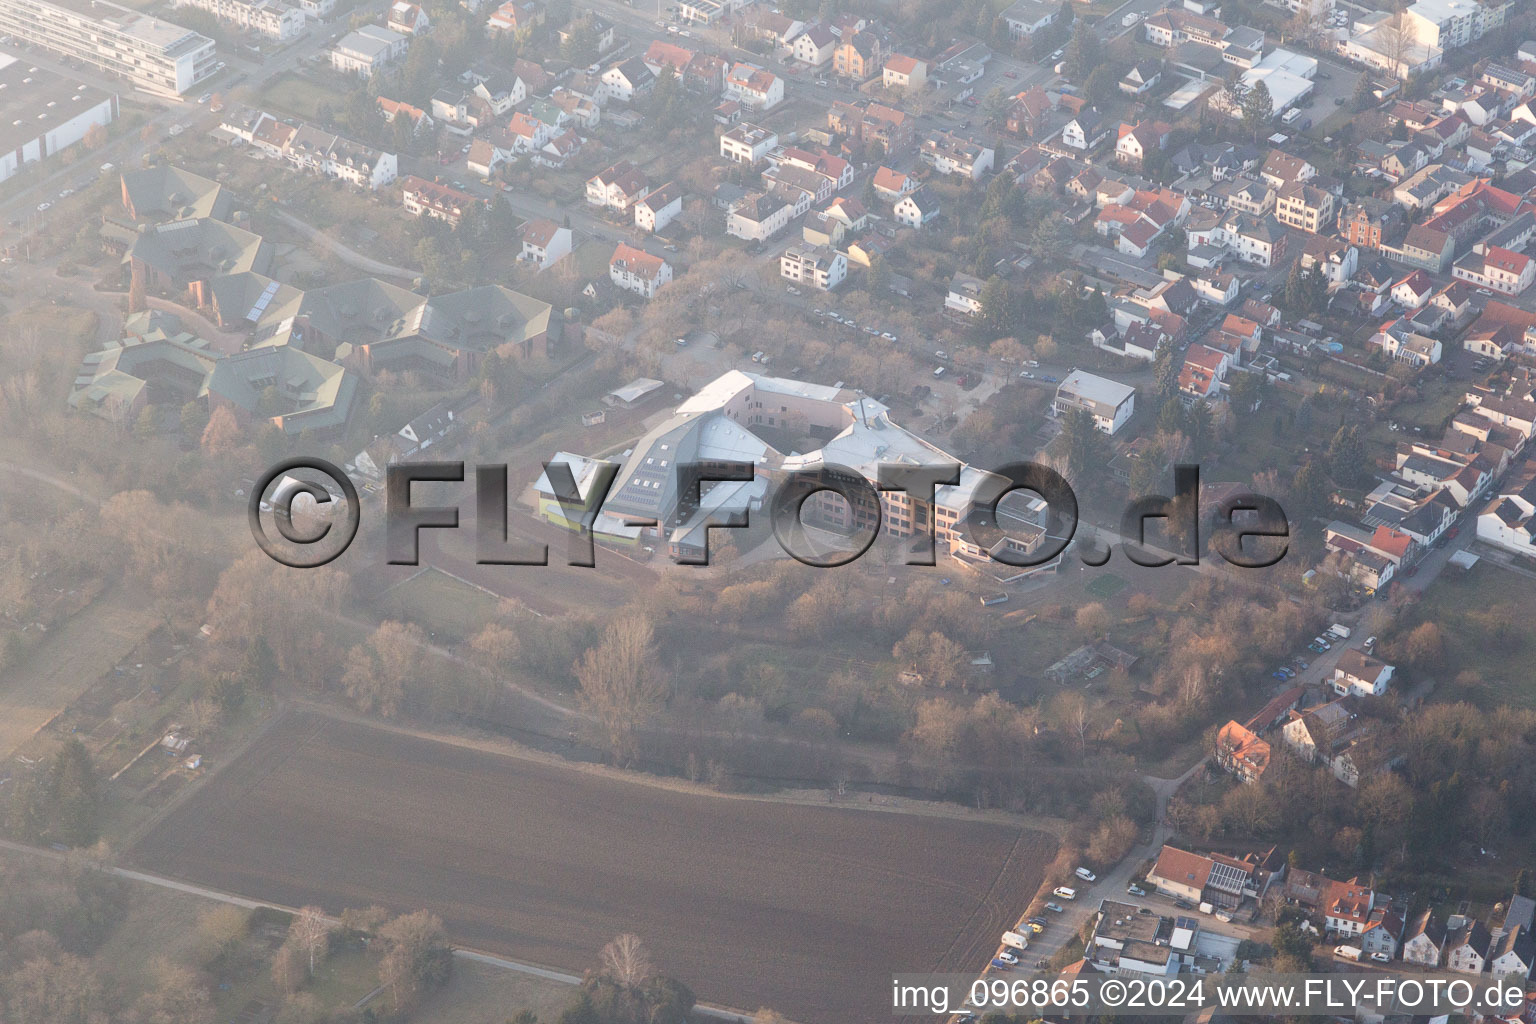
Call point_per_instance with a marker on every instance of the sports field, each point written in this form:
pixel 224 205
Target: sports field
pixel 806 909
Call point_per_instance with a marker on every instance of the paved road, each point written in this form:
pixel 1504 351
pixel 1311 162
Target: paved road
pixel 351 257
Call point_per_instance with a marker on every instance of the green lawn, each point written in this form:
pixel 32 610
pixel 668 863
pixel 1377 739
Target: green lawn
pixel 439 603
pixel 1468 606
pixel 1105 586
pixel 292 94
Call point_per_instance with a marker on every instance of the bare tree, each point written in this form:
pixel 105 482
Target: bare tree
pixel 620 686
pixel 311 932
pixel 626 961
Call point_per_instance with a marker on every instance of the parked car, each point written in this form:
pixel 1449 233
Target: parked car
pixel 1148 911
pixel 1277 674
pixel 1048 378
pixel 998 963
pixel 1381 958
pixel 1054 908
pixel 1007 958
pixel 1135 890
pixel 1183 904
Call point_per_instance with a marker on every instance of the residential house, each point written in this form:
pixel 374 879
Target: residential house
pixel 815 46
pixel 431 199
pixel 1141 78
pixel 1425 941
pixel 515 17
pixel 1136 141
pixel 916 209
pixel 873 124
pixel 1513 953
pixel 753 87
pixel 1087 131
pixel 407 18
pixel 629 80
pixel 1026 17
pixel 391 109
pixel 1414 290
pixel 1281 169
pixel 819 267
pixel 903 72
pixel 1360 675
pixel 618 188
pixel 952 154
pixel 1383 931
pixel 1302 206
pixel 748 143
pixel 964 295
pixel 367 50
pixel 1497 269
pixel 1203 375
pixel 1466 947
pixel 545 243
pixel 892 185
pixel 758 217
pixel 1241 752
pixel 1335 259
pixel 659 208
pixel 860 55
pixel 636 270
pixel 1108 401
pixel 1029 112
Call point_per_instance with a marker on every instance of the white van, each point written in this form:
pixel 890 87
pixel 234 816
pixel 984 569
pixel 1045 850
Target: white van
pixel 938 371
pixel 1064 892
pixel 1086 875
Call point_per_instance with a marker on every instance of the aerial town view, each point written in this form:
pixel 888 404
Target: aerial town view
pixel 767 511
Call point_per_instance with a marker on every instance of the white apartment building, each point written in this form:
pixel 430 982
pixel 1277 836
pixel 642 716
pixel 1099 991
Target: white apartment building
pixel 271 18
pixel 817 266
pixel 368 49
pixel 748 143
pixel 1447 24
pixel 155 55
pixel 1110 402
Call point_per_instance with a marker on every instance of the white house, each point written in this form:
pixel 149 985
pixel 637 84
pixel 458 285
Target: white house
pixel 758 217
pixel 660 208
pixel 748 143
pixel 1358 674
pixel 815 46
pixel 964 295
pixel 545 243
pixel 1026 17
pixel 754 87
pixel 366 50
pixel 816 266
pixel 1108 401
pixel 916 209
pixel 636 270
pixel 629 80
pixel 408 18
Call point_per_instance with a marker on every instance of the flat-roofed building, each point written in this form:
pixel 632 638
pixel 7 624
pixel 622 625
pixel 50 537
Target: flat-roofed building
pixel 155 55
pixel 271 18
pixel 42 113
pixel 1110 402
pixel 365 51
